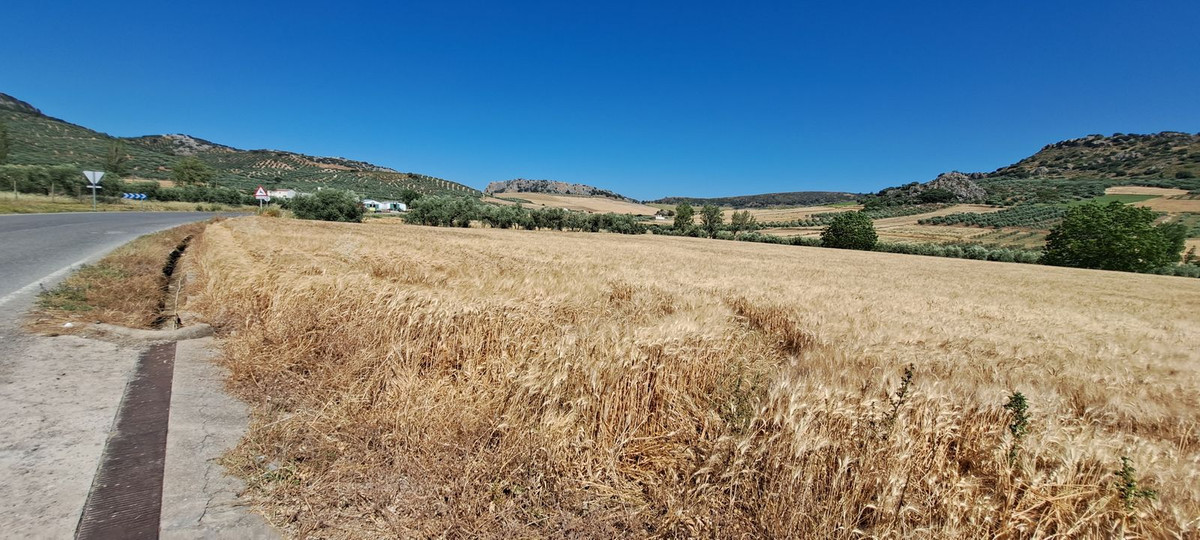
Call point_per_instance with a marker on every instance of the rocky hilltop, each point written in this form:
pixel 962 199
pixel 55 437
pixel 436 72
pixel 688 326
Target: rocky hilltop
pixel 14 104
pixel 1169 154
pixel 961 186
pixel 522 185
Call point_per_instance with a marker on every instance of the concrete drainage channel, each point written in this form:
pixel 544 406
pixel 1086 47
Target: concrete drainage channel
pixel 158 473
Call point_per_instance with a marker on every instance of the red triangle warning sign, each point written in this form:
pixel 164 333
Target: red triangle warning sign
pixel 261 193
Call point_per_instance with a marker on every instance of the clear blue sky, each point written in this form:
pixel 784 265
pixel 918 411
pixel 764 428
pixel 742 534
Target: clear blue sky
pixel 646 98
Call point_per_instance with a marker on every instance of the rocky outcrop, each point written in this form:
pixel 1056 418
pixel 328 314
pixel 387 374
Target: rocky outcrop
pixel 961 185
pixel 521 185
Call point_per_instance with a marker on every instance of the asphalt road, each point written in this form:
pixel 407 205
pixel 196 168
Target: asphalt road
pixel 42 248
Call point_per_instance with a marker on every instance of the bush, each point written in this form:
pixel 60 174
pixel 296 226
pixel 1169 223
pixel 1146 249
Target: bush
pixel 850 230
pixel 1115 236
pixel 328 205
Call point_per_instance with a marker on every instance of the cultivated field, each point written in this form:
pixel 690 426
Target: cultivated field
pixel 790 214
pixel 574 202
pixel 1144 190
pixel 906 229
pixel 1173 205
pixel 498 383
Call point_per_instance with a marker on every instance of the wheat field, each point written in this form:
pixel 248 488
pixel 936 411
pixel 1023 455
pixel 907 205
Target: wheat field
pixel 413 382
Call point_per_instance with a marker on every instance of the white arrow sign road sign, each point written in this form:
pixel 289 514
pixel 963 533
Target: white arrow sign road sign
pixel 94 176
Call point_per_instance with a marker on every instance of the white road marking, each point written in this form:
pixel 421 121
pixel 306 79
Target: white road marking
pixel 49 277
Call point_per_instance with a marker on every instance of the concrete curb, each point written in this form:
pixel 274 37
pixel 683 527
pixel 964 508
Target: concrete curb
pixel 136 334
pixel 199 499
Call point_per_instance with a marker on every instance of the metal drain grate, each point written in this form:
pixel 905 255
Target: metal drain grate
pixel 126 496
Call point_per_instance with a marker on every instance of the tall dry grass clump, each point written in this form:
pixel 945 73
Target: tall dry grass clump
pixel 411 381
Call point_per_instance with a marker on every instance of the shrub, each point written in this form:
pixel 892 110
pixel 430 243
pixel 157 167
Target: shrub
pixel 936 195
pixel 850 230
pixel 328 205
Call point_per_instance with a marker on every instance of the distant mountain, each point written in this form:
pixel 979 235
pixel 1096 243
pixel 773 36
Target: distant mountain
pixel 790 198
pixel 38 139
pixel 521 185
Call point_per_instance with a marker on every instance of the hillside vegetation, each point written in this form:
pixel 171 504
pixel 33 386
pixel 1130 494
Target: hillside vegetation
pixel 1163 155
pixel 498 383
pixel 38 139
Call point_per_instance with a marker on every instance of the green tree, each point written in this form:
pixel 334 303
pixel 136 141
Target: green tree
pixel 116 160
pixel 850 230
pixel 4 142
pixel 684 216
pixel 711 218
pixel 1114 236
pixel 328 205
pixel 408 196
pixel 190 171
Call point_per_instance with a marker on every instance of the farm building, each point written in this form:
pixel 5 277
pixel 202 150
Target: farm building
pixel 384 206
pixel 281 193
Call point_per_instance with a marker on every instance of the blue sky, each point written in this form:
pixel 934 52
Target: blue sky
pixel 649 99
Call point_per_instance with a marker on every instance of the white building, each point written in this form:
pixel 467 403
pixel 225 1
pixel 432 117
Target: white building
pixel 384 206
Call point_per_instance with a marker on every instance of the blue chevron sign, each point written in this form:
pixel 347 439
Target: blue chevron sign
pixel 138 196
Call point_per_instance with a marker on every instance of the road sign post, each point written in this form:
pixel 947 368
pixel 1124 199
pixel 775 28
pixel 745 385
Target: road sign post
pixel 93 184
pixel 261 195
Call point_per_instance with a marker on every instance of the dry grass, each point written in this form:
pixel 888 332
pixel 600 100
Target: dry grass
pixel 492 383
pixel 575 202
pixel 124 288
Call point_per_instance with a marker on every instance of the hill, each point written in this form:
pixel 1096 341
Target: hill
pixel 39 139
pixel 1071 170
pixel 1169 154
pixel 791 198
pixel 522 185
